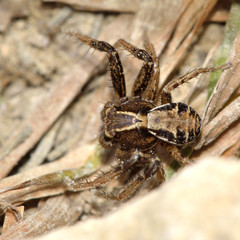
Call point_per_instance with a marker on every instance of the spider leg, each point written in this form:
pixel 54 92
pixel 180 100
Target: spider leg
pixel 165 94
pixel 176 154
pixel 152 88
pixel 85 183
pixel 154 167
pixel 116 69
pixel 105 141
pixel 146 71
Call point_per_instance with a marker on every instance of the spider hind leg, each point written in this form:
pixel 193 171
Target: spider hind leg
pixel 152 168
pixel 165 94
pixel 92 181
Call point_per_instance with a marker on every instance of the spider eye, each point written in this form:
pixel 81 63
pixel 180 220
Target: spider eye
pixel 143 55
pixel 139 55
pixel 93 44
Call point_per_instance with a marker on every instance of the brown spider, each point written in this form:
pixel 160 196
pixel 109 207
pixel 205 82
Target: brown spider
pixel 137 123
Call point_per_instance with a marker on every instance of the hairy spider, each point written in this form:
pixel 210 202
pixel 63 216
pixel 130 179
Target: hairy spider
pixel 137 123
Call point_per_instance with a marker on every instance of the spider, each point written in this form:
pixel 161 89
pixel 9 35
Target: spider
pixel 138 122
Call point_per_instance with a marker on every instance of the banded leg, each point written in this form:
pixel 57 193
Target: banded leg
pixel 152 88
pixel 146 71
pixel 115 172
pixel 82 184
pixel 116 69
pixel 153 168
pixel 166 92
pixel 176 154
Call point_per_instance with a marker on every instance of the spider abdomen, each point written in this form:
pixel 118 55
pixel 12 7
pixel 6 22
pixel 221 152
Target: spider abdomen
pixel 176 123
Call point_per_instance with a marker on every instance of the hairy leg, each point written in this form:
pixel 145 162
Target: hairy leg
pixel 152 88
pixel 152 167
pixel 176 154
pixel 91 182
pixel 165 94
pixel 116 69
pixel 146 71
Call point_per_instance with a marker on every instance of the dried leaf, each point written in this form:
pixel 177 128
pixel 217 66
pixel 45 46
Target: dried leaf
pixel 12 9
pixel 37 182
pixel 197 91
pixel 175 58
pixel 100 5
pixel 10 218
pixel 57 211
pixel 227 144
pixel 160 24
pixel 44 116
pixel 226 86
pixel 220 123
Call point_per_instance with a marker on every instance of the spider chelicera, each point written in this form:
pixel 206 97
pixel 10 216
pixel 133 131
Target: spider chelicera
pixel 138 122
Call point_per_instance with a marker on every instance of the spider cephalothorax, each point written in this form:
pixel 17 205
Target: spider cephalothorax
pixel 137 123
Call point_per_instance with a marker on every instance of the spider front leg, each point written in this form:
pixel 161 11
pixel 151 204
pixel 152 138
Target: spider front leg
pixel 152 88
pixel 146 80
pixel 116 69
pixel 165 94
